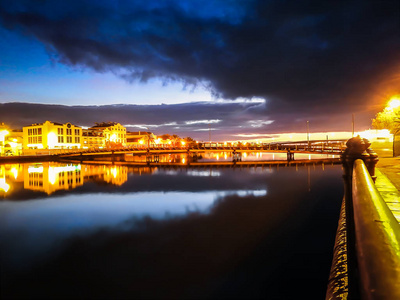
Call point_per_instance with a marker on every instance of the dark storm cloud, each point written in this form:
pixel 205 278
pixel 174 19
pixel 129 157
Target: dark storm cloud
pixel 297 54
pixel 226 119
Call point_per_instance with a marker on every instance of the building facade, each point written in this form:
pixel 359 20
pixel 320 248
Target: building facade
pixel 51 135
pixel 92 139
pixel 113 134
pixel 139 138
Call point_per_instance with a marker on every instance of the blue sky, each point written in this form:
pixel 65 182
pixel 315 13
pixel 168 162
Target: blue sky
pixel 28 73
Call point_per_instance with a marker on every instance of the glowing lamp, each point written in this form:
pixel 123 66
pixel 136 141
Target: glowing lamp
pixel 394 103
pixel 3 133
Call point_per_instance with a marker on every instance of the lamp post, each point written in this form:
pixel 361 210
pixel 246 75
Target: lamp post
pixel 148 138
pixel 209 132
pixel 308 135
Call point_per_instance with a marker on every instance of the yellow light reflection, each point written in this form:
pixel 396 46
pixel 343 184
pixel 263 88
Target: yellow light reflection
pixel 3 185
pixel 15 172
pixel 52 175
pixel 114 172
pixel 183 161
pixel 35 169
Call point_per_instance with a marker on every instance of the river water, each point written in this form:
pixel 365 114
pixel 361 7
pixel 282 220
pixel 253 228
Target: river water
pixel 114 231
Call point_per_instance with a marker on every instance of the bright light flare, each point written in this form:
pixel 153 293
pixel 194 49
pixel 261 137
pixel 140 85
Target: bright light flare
pixel 393 103
pixel 51 140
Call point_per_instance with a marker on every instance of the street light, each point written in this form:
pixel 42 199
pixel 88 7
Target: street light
pixel 308 135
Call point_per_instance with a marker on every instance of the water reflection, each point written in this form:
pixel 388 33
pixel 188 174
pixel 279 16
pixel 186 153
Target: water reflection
pixel 106 231
pixel 49 177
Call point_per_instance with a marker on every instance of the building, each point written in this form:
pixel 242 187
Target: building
pixel 51 135
pixel 93 139
pixel 50 177
pixel 140 138
pixel 4 131
pixel 113 134
pixel 10 141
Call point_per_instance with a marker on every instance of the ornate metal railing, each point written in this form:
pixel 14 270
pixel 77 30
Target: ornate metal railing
pixel 366 262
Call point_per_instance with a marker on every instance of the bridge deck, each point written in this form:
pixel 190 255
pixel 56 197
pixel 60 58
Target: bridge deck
pixel 335 151
pixel 211 164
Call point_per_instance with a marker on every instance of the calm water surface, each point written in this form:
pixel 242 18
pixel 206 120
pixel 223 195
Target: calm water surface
pixel 104 231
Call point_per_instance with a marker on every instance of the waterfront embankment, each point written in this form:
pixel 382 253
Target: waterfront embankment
pixel 388 176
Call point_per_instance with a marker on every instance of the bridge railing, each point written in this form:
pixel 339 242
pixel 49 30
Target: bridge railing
pixel 377 237
pixel 366 262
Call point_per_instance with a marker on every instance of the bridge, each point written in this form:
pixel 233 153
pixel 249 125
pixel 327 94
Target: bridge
pixel 290 148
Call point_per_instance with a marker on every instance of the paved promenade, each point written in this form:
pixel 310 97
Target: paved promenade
pixel 388 176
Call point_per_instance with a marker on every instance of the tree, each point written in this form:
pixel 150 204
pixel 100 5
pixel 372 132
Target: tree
pixel 166 137
pixel 389 118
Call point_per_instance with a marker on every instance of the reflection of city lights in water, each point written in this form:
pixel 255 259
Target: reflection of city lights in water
pixel 217 157
pixel 183 161
pixel 226 156
pixel 35 169
pixel 3 185
pixel 52 175
pixel 244 154
pixel 211 173
pixel 114 172
pixel 15 172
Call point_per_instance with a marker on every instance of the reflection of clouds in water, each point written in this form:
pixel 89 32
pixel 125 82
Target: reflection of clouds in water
pixel 36 228
pixel 211 173
pixel 252 193
pixel 203 173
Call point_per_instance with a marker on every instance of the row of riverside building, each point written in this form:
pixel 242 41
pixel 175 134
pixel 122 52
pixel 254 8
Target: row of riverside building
pixel 56 136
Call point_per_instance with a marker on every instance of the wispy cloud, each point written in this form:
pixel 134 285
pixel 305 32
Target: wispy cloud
pixel 206 129
pixel 202 122
pixel 260 123
pixel 147 126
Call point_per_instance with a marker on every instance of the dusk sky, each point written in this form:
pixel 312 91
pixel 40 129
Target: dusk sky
pixel 242 66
